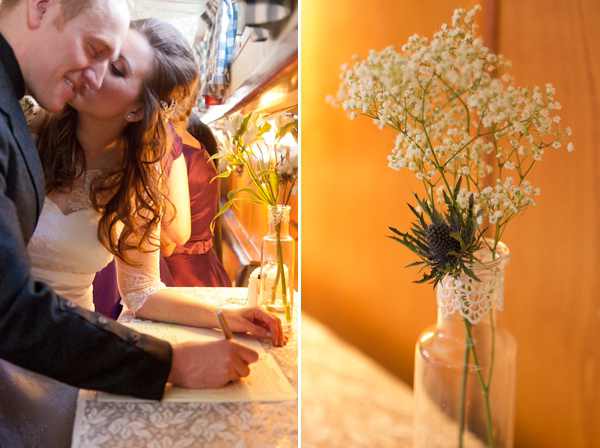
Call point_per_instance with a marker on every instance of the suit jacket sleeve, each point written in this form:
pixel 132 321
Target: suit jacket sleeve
pixel 48 334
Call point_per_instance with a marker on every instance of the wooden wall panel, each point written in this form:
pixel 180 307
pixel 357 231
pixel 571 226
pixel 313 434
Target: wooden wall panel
pixel 353 278
pixel 552 290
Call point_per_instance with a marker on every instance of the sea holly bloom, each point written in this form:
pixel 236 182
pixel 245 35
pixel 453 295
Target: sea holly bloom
pixel 441 243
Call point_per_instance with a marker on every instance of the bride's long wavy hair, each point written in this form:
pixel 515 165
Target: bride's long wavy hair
pixel 134 192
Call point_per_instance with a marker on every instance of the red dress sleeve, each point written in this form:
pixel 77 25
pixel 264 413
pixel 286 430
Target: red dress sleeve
pixel 174 153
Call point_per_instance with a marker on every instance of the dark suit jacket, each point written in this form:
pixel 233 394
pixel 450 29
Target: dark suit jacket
pixel 38 330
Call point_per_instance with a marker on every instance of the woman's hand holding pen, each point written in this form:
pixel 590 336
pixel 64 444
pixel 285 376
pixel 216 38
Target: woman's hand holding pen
pixel 256 321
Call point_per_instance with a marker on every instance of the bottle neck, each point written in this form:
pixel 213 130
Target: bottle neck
pixel 473 297
pixel 279 219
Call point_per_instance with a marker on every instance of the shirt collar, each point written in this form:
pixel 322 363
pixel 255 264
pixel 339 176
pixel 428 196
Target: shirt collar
pixel 11 65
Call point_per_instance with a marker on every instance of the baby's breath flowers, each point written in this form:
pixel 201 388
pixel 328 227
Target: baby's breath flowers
pixel 457 118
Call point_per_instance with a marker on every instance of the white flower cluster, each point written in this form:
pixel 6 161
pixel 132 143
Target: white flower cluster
pixel 456 116
pixel 499 203
pixel 249 133
pixel 253 144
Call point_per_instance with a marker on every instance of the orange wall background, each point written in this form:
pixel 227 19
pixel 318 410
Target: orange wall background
pixel 353 277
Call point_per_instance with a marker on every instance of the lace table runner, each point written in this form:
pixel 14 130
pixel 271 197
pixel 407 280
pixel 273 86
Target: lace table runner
pixel 348 400
pixel 169 425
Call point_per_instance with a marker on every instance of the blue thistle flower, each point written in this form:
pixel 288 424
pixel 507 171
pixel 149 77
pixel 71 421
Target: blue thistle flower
pixel 447 244
pixel 440 243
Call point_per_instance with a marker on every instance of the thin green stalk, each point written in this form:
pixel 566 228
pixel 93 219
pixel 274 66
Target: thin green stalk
pixel 288 192
pixel 484 387
pixel 428 191
pixel 492 250
pixel 274 287
pixel 281 275
pixel 265 192
pixel 254 180
pixel 489 381
pixel 278 274
pixel 463 395
pixel 438 166
pixel 496 240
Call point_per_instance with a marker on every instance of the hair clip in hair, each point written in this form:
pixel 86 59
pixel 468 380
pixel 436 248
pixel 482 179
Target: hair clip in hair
pixel 168 108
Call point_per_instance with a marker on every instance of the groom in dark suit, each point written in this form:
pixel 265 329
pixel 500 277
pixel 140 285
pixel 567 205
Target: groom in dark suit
pixel 51 49
pixel 58 50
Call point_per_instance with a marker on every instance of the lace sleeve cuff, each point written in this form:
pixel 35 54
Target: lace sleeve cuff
pixel 134 300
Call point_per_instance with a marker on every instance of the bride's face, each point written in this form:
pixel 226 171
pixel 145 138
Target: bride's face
pixel 123 82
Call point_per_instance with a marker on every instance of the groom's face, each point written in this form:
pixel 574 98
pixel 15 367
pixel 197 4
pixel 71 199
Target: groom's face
pixel 72 54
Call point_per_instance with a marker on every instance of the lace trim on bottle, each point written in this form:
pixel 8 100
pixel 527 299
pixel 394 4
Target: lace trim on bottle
pixel 471 298
pixel 279 213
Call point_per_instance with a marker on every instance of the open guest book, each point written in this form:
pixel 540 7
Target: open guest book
pixel 266 381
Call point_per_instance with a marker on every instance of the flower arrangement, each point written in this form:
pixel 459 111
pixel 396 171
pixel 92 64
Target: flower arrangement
pixel 457 123
pixel 252 145
pixel 460 122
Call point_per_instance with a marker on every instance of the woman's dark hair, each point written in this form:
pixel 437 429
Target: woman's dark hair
pixel 202 132
pixel 132 193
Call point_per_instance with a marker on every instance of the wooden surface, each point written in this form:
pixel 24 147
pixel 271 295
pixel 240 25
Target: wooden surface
pixel 353 278
pixel 552 286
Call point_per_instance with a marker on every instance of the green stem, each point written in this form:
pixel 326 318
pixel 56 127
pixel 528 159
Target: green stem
pixel 281 275
pixel 254 179
pixel 274 286
pixel 266 193
pixel 463 395
pixel 484 388
pixel 489 381
pixel 443 176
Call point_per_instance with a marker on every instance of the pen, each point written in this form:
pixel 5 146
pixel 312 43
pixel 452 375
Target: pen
pixel 223 324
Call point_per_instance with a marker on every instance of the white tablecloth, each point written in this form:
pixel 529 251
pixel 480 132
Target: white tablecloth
pixel 348 400
pixel 170 425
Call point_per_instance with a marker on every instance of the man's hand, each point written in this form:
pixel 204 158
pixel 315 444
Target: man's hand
pixel 257 321
pixel 209 365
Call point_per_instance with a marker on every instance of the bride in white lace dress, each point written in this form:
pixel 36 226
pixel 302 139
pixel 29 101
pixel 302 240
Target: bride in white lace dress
pixel 102 161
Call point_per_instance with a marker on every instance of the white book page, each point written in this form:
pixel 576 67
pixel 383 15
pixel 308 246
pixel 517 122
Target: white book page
pixel 266 381
pixel 176 334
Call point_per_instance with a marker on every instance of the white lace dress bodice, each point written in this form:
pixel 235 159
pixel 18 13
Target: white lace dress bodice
pixel 66 253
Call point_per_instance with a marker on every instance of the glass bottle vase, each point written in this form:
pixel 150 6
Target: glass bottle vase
pixel 277 265
pixel 465 365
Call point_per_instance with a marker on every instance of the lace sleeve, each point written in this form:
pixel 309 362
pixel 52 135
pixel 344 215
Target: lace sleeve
pixel 137 283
